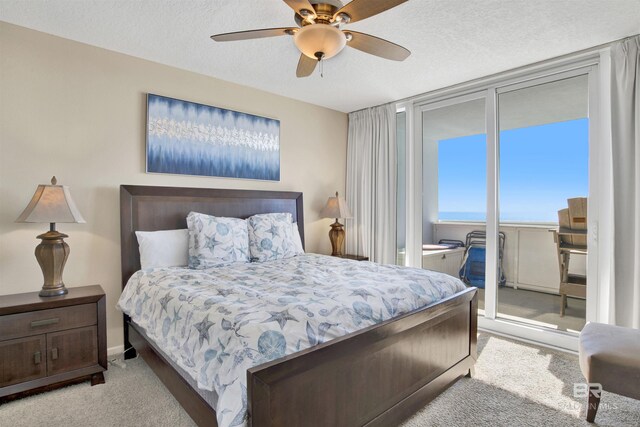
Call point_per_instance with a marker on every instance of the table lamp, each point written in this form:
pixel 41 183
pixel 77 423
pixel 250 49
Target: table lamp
pixel 336 207
pixel 52 204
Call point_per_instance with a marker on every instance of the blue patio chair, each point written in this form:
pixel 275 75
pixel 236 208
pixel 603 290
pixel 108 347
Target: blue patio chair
pixel 474 262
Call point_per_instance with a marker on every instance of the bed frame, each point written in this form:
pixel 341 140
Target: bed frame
pixel 376 376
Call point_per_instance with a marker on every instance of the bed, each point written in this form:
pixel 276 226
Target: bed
pixel 377 375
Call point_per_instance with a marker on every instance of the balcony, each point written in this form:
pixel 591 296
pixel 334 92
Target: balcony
pixel 530 263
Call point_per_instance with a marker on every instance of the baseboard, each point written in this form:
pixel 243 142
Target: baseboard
pixel 115 351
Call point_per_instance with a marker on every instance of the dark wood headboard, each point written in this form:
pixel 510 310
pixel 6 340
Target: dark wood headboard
pixel 144 208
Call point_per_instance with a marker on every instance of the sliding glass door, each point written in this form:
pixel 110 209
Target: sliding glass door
pixel 454 188
pixel 487 175
pixel 543 163
pixel 454 159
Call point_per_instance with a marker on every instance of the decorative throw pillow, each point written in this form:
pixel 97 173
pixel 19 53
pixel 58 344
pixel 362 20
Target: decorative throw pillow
pixel 271 237
pixel 215 241
pixel 165 248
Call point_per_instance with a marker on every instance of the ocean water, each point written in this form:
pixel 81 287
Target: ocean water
pixel 544 217
pixel 462 216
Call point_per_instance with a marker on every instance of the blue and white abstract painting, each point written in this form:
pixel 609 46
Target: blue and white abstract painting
pixel 194 139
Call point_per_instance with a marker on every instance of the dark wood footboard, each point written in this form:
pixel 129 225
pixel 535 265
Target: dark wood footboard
pixel 376 377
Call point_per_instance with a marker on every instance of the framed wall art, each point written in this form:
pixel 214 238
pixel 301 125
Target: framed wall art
pixel 194 139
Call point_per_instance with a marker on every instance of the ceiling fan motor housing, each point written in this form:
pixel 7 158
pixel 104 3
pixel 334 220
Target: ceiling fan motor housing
pixel 323 12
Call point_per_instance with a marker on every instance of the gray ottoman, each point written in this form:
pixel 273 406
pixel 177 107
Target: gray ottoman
pixel 610 356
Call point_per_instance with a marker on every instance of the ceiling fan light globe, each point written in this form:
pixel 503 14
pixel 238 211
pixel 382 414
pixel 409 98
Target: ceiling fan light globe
pixel 316 38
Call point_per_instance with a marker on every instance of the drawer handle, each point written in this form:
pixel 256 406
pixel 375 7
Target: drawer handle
pixel 54 353
pixel 44 322
pixel 37 358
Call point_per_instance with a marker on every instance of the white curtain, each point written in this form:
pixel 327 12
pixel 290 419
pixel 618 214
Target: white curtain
pixel 624 307
pixel 371 184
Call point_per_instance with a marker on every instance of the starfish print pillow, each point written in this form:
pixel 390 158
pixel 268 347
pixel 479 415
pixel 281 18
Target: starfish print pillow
pixel 271 237
pixel 215 241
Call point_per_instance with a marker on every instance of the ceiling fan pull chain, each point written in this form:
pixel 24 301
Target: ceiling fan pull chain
pixel 320 57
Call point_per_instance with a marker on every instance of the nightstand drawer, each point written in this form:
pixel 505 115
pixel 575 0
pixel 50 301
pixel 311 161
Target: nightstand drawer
pixel 43 321
pixel 72 349
pixel 23 359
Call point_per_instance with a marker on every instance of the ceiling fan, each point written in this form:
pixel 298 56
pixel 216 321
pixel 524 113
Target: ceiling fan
pixel 319 35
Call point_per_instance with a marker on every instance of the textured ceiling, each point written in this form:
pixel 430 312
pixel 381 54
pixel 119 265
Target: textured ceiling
pixel 451 41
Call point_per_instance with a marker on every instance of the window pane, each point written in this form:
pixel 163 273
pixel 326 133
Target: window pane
pixel 541 167
pixel 462 168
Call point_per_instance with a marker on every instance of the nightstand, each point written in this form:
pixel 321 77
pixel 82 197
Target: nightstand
pixel 51 342
pixel 355 257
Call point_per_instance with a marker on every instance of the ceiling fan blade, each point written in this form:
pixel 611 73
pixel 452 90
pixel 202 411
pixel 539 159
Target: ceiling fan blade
pixel 253 34
pixel 298 5
pixel 362 9
pixel 377 46
pixel 306 66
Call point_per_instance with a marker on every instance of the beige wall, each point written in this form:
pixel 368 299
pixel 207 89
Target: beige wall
pixel 78 112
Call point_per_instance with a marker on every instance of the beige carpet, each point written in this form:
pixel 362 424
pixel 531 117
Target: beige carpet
pixel 515 385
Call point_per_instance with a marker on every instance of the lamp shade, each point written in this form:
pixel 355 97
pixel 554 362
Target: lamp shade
pixel 51 203
pixel 336 207
pixel 320 38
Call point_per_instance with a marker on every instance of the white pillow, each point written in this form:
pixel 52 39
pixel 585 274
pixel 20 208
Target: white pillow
pixel 297 241
pixel 164 248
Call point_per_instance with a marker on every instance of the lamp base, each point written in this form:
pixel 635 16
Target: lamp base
pixel 52 254
pixel 53 292
pixel 336 235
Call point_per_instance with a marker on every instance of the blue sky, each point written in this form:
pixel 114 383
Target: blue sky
pixel 540 167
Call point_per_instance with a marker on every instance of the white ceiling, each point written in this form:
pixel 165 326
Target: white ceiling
pixel 451 41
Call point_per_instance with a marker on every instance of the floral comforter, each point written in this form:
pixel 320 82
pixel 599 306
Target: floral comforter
pixel 219 322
